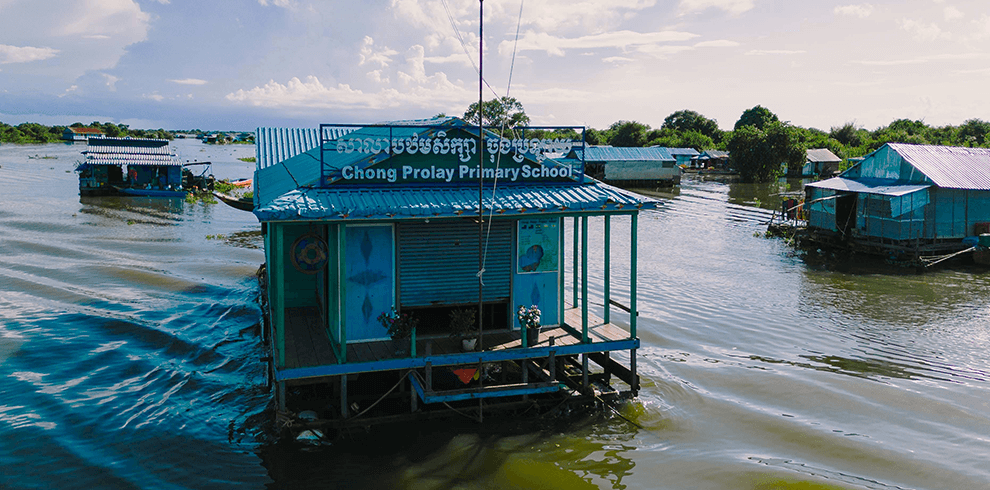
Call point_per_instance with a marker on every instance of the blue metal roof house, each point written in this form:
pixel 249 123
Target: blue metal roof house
pixel 915 200
pixel 630 166
pixel 683 156
pixel 368 224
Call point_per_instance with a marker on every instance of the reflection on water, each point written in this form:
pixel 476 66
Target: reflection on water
pixel 130 357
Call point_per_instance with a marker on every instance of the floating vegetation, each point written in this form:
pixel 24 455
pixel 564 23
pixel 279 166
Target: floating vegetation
pixel 206 197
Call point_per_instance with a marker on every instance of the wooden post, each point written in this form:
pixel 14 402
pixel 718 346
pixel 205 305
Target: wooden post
pixel 584 372
pixel 343 396
pixel 429 366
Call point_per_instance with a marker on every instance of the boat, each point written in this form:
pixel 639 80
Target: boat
pixel 242 203
pixel 138 167
pixel 136 191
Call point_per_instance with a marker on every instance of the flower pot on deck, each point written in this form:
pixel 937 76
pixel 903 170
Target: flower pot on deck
pixel 532 336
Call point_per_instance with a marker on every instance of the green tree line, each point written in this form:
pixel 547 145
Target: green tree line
pixel 759 142
pixel 38 133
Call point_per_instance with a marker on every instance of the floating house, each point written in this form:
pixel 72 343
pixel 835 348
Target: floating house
pixel 820 162
pixel 712 160
pixel 378 226
pixel 629 166
pixel 81 134
pixel 683 156
pixel 902 199
pixel 136 166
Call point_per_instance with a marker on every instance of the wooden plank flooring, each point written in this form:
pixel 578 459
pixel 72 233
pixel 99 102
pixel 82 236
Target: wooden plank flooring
pixel 307 343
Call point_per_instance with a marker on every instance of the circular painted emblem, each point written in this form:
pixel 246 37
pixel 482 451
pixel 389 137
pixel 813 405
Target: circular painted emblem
pixel 309 254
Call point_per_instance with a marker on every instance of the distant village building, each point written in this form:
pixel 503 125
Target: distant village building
pixel 712 159
pixel 80 134
pixel 683 156
pixel 630 165
pixel 820 162
pixel 903 198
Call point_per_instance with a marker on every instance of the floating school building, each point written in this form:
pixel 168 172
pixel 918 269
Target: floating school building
pixel 135 166
pixel 361 220
pixel 912 200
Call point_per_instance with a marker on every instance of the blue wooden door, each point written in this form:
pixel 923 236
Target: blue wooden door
pixel 369 280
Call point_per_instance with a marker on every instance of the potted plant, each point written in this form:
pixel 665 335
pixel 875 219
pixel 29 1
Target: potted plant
pixel 464 327
pixel 400 327
pixel 529 320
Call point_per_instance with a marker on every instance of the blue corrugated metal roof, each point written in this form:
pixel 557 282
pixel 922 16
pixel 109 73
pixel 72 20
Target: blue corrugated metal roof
pixel 949 166
pixel 691 152
pixel 288 187
pixel 275 145
pixel 129 151
pixel 377 203
pixel 625 154
pixel 868 186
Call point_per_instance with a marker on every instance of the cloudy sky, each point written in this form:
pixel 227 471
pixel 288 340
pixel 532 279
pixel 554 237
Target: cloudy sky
pixel 240 64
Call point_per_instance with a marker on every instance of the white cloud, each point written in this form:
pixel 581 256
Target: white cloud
pixel 154 97
pixel 97 19
pixel 982 27
pixel 764 52
pixel 555 46
pixel 718 43
pixel 111 81
pixel 922 31
pixel 188 81
pixel 952 13
pixel 68 91
pixel 949 57
pixel 311 94
pixel 277 3
pixel 617 59
pixel 382 57
pixel 731 6
pixel 916 61
pixel 581 15
pixel 659 51
pixel 24 54
pixel 862 11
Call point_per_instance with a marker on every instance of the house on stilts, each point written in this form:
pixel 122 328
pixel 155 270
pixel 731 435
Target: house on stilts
pixel 906 201
pixel 369 225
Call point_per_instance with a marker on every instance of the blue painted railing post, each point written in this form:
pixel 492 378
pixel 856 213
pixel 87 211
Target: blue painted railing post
pixel 633 312
pixel 575 269
pixel 608 242
pixel 584 279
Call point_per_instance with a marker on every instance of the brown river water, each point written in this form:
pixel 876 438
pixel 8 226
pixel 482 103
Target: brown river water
pixel 130 358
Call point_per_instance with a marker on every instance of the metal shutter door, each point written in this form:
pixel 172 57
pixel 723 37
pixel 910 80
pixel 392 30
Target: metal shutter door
pixel 438 263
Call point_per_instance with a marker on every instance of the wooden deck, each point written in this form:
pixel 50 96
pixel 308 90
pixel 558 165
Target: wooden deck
pixel 307 344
